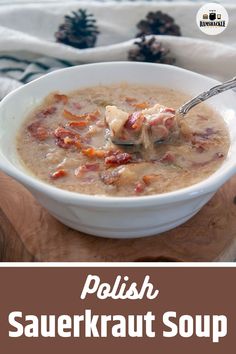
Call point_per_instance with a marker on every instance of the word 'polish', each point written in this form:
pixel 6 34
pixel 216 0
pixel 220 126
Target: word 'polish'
pixel 121 289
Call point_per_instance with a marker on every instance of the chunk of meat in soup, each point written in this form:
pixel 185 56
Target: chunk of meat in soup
pixel 140 127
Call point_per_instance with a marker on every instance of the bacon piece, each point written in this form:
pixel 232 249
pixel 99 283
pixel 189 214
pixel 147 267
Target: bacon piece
pixel 85 116
pixel 44 113
pixel 42 133
pixel 62 144
pixel 91 152
pixel 94 115
pixel 61 132
pixel 148 179
pixel 37 131
pixel 130 100
pixel 100 153
pixel 118 158
pixel 76 124
pixel 66 138
pixel 139 187
pixel 139 122
pixel 88 167
pixel 71 116
pixel 78 144
pixel 131 120
pixel 69 142
pixel 135 121
pixel 110 177
pixel 58 97
pixel 141 105
pixel 168 157
pixel 58 174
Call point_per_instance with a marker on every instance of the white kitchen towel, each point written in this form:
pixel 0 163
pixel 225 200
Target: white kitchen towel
pixel 28 48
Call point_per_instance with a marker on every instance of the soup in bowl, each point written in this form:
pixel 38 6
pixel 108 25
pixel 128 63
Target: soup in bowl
pixel 69 141
pixel 58 134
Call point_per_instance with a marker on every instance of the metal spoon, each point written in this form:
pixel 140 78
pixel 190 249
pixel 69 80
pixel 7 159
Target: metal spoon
pixel 207 94
pixel 185 108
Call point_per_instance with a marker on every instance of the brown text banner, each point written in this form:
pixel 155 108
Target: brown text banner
pixel 139 309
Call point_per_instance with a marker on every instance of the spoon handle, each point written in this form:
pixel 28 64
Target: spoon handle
pixel 207 94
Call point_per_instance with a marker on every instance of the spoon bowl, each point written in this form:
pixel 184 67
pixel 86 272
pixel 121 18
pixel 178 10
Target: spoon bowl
pixel 186 107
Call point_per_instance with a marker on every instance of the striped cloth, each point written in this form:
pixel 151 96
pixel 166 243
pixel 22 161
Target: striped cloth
pixel 24 70
pixel 28 49
pixel 16 70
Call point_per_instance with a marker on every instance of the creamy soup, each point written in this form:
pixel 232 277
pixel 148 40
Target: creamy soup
pixel 68 141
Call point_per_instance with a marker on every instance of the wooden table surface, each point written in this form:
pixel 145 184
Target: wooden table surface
pixel 29 233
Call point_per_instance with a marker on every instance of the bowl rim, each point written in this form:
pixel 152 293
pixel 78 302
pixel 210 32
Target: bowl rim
pixel 208 185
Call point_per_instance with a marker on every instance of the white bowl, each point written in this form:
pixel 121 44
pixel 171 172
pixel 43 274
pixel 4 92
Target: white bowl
pixel 115 217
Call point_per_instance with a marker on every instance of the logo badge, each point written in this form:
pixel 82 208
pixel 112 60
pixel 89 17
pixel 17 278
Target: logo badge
pixel 212 19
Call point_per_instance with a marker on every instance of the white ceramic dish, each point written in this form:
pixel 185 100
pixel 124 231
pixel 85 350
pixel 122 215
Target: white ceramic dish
pixel 115 217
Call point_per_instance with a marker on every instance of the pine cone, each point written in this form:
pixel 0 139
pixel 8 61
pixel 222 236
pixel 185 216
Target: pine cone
pixel 79 30
pixel 158 23
pixel 150 50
